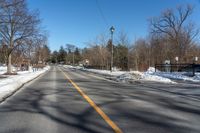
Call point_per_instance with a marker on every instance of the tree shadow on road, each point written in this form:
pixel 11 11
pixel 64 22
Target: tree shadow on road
pixel 146 107
pixel 66 108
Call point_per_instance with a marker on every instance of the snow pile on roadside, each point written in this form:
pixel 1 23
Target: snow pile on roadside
pixel 146 76
pixel 129 76
pixel 174 75
pixel 150 77
pixel 197 77
pixel 12 83
pixel 124 76
pixel 3 69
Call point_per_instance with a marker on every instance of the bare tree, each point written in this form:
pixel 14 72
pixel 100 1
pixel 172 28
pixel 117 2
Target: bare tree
pixel 39 48
pixel 140 55
pixel 97 52
pixel 17 25
pixel 176 28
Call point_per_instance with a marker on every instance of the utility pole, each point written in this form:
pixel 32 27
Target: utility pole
pixel 112 29
pixel 73 58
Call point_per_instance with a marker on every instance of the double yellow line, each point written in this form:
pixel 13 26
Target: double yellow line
pixel 98 109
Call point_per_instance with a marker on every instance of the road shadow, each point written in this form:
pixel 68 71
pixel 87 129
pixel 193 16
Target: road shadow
pixel 63 105
pixel 146 107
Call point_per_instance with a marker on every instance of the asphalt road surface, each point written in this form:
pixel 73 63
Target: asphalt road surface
pixel 54 104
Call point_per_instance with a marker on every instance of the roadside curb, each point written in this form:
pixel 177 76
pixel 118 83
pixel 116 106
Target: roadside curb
pixel 20 86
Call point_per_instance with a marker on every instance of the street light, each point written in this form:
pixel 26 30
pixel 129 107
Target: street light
pixel 112 29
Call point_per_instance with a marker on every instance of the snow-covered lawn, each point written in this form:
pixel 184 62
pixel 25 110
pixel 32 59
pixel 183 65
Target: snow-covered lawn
pixel 3 69
pixel 10 84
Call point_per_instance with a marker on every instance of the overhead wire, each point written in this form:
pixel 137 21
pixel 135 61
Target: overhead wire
pixel 101 13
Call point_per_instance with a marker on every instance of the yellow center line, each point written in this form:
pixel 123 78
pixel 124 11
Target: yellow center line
pixel 98 109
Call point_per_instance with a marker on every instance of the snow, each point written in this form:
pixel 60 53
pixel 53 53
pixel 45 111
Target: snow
pixel 174 75
pixel 106 72
pixel 125 76
pixel 144 76
pixel 97 71
pixel 2 69
pixel 10 84
pixel 149 75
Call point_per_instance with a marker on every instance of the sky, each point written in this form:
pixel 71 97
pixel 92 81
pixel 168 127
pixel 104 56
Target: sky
pixel 81 21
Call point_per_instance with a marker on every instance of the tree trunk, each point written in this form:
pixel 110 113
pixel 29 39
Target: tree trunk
pixel 9 68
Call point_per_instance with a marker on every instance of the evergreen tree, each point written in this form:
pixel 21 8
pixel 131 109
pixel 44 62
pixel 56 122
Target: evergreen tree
pixel 77 56
pixel 62 55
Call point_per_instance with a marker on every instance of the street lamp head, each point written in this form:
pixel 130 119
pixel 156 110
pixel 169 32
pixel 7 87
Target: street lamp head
pixel 112 29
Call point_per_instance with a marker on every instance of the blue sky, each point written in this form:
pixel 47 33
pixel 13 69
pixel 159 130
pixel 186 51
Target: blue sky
pixel 80 21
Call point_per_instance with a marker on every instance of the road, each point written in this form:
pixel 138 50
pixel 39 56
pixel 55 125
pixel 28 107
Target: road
pixel 90 104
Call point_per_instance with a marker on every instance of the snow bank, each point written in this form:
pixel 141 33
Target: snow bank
pixel 149 75
pixel 10 84
pixel 156 78
pixel 3 69
pixel 174 75
pixel 129 76
pixel 197 77
pixel 146 76
pixel 124 76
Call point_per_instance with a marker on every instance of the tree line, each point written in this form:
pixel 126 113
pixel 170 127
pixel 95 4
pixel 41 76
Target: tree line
pixel 21 35
pixel 171 34
pixel 68 54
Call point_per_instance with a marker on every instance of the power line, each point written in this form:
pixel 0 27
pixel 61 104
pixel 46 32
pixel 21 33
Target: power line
pixel 101 13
